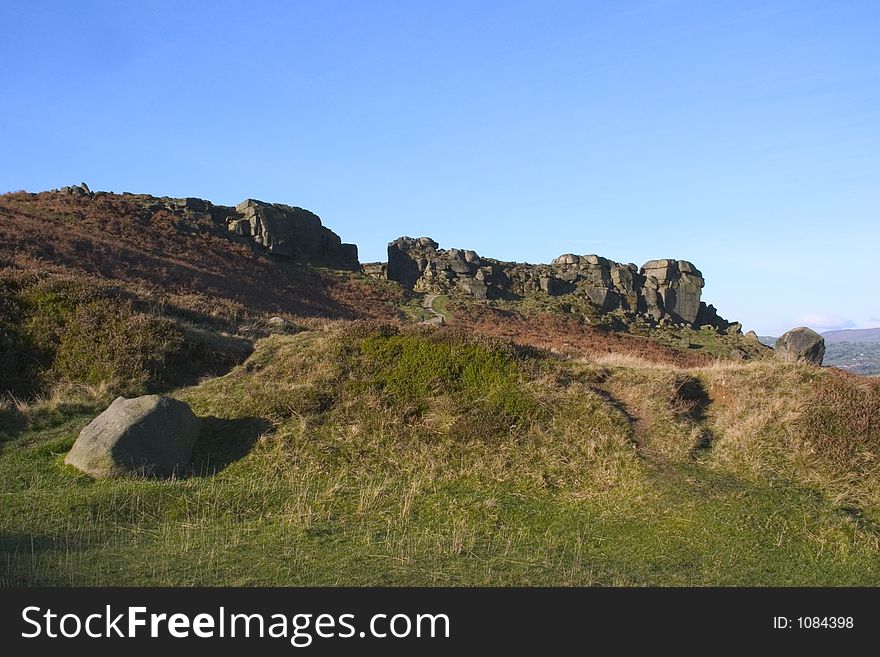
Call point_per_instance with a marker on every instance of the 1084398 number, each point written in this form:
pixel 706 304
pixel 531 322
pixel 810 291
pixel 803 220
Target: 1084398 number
pixel 824 622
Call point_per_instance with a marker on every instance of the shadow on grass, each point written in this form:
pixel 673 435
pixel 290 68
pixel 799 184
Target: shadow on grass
pixel 12 423
pixel 21 554
pixel 30 544
pixel 223 442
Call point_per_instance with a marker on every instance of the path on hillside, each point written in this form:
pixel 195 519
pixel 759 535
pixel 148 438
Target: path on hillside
pixel 428 304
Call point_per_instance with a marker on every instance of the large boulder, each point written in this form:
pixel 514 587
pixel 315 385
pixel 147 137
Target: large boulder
pixel 679 284
pixel 408 258
pixel 295 233
pixel 801 344
pixel 151 435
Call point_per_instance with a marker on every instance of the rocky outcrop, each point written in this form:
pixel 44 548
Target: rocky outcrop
pixel 152 435
pixel 677 286
pixel 801 345
pixel 75 190
pixel 280 230
pixel 292 232
pixel 660 291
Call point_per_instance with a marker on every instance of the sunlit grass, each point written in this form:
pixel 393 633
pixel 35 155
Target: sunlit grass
pixel 361 479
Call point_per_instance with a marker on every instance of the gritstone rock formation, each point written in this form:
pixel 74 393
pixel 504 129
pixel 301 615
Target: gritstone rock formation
pixel 661 289
pixel 280 230
pixel 801 344
pixel 150 435
pixel 291 232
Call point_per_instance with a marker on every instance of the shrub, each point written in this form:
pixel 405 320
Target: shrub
pixel 55 327
pixel 107 340
pixel 413 367
pixel 20 362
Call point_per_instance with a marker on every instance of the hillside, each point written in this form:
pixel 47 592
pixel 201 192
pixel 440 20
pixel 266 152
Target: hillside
pixel 205 281
pixel 852 335
pixel 583 422
pixel 368 455
pixel 856 357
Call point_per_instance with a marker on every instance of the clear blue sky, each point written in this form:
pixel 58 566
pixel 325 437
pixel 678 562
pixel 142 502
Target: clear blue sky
pixel 744 136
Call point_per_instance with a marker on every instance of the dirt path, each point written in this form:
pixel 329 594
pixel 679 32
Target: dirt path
pixel 428 304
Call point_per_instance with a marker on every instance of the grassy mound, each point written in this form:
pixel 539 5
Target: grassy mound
pixel 57 328
pixel 366 454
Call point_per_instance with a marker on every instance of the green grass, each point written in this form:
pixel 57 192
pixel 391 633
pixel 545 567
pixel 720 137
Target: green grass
pixel 440 303
pixel 366 463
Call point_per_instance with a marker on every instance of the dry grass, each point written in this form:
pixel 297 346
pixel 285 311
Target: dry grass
pixel 566 335
pixel 354 484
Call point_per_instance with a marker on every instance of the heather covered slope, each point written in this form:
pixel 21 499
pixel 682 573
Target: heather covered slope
pixel 182 258
pixel 364 454
pixel 141 293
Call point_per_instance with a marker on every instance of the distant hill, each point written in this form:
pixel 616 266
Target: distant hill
pixel 853 350
pixel 852 335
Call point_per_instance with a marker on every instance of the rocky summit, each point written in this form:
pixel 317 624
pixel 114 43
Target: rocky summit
pixel 281 230
pixel 662 291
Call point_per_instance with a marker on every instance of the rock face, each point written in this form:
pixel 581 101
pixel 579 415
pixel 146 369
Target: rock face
pixel 661 290
pixel 152 435
pixel 292 232
pixel 678 284
pixel 75 190
pixel 280 230
pixel 801 344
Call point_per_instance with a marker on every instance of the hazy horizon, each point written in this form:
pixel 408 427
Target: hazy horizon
pixel 741 138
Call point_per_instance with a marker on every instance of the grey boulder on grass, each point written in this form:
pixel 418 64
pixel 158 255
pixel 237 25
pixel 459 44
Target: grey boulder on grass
pixel 151 435
pixel 801 344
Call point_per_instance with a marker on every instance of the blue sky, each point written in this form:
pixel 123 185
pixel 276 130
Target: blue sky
pixel 743 136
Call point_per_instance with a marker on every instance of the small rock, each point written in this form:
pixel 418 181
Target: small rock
pixel 280 325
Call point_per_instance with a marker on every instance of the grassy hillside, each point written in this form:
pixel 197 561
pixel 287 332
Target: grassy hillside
pixel 533 441
pixel 368 454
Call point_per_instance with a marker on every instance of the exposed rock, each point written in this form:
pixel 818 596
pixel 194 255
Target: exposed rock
pixel 151 435
pixel 375 269
pixel 801 344
pixel 295 233
pixel 477 289
pixel 404 264
pixel 679 285
pixel 241 227
pixel 277 229
pixel 75 190
pixel 550 285
pixel 281 325
pixel 662 289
